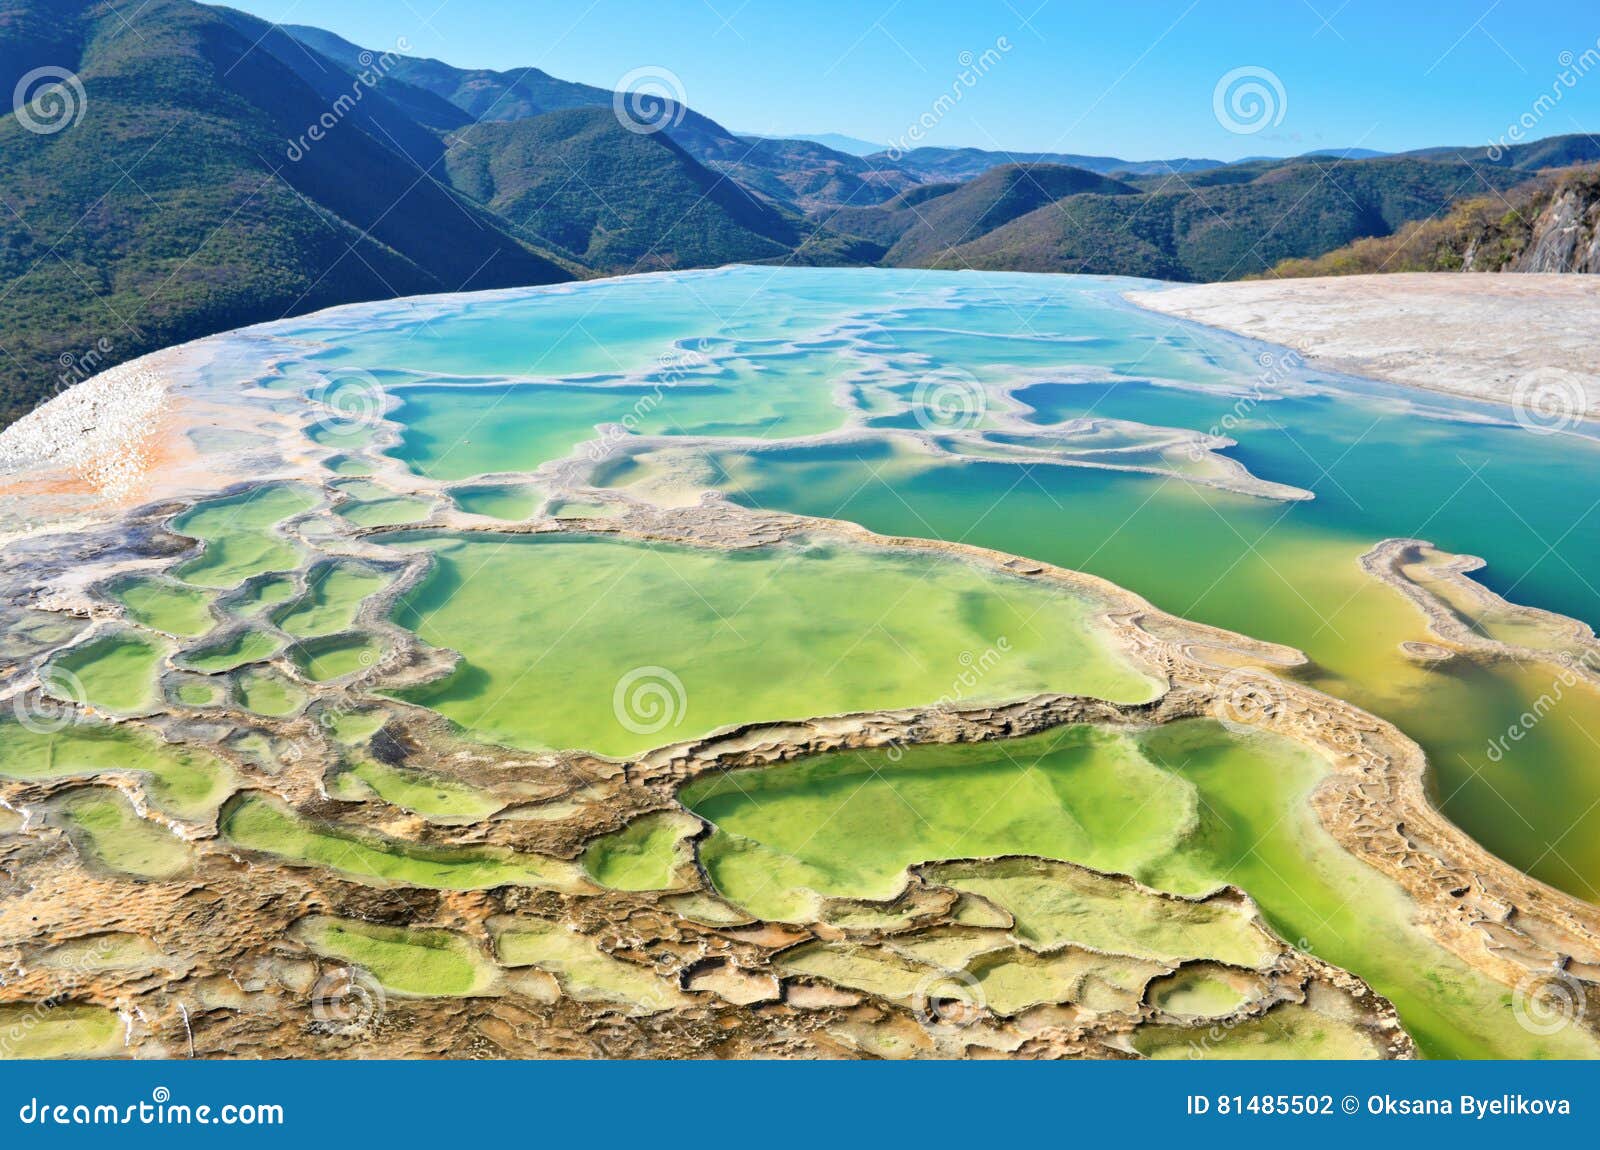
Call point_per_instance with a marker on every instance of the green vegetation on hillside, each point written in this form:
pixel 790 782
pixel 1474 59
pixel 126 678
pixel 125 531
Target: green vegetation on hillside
pixel 1222 230
pixel 1483 233
pixel 989 202
pixel 171 209
pixel 226 171
pixel 578 182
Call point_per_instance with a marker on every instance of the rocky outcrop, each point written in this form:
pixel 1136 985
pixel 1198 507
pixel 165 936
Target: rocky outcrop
pixel 1551 223
pixel 1566 235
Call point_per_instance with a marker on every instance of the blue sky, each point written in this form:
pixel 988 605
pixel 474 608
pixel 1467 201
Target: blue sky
pixel 1137 79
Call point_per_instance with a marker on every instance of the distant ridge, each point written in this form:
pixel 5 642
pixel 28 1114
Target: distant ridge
pixel 579 183
pixel 1224 223
pixel 1345 153
pixel 1550 223
pixel 849 145
pixel 233 171
pixel 1318 153
pixel 218 226
pixel 965 163
pixel 922 228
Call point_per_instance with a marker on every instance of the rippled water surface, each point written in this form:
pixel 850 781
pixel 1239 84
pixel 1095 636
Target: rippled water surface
pixel 1041 417
pixel 753 364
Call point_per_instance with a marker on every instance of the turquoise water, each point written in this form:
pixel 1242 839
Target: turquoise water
pixel 552 629
pixel 1288 573
pixel 604 328
pixel 458 432
pixel 510 381
pixel 776 354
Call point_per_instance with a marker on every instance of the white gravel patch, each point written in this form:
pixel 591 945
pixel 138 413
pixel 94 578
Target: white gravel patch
pixel 100 430
pixel 1511 338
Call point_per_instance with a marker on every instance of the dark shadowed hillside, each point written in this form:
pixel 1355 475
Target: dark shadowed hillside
pixel 799 172
pixel 579 183
pixel 1224 230
pixel 171 210
pixel 977 208
pixel 1548 224
pixel 966 163
pixel 478 93
pixel 218 170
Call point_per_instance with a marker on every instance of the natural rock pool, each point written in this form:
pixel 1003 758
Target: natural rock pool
pixel 981 647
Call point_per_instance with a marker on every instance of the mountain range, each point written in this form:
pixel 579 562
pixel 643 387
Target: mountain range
pixel 838 141
pixel 218 170
pixel 1549 224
